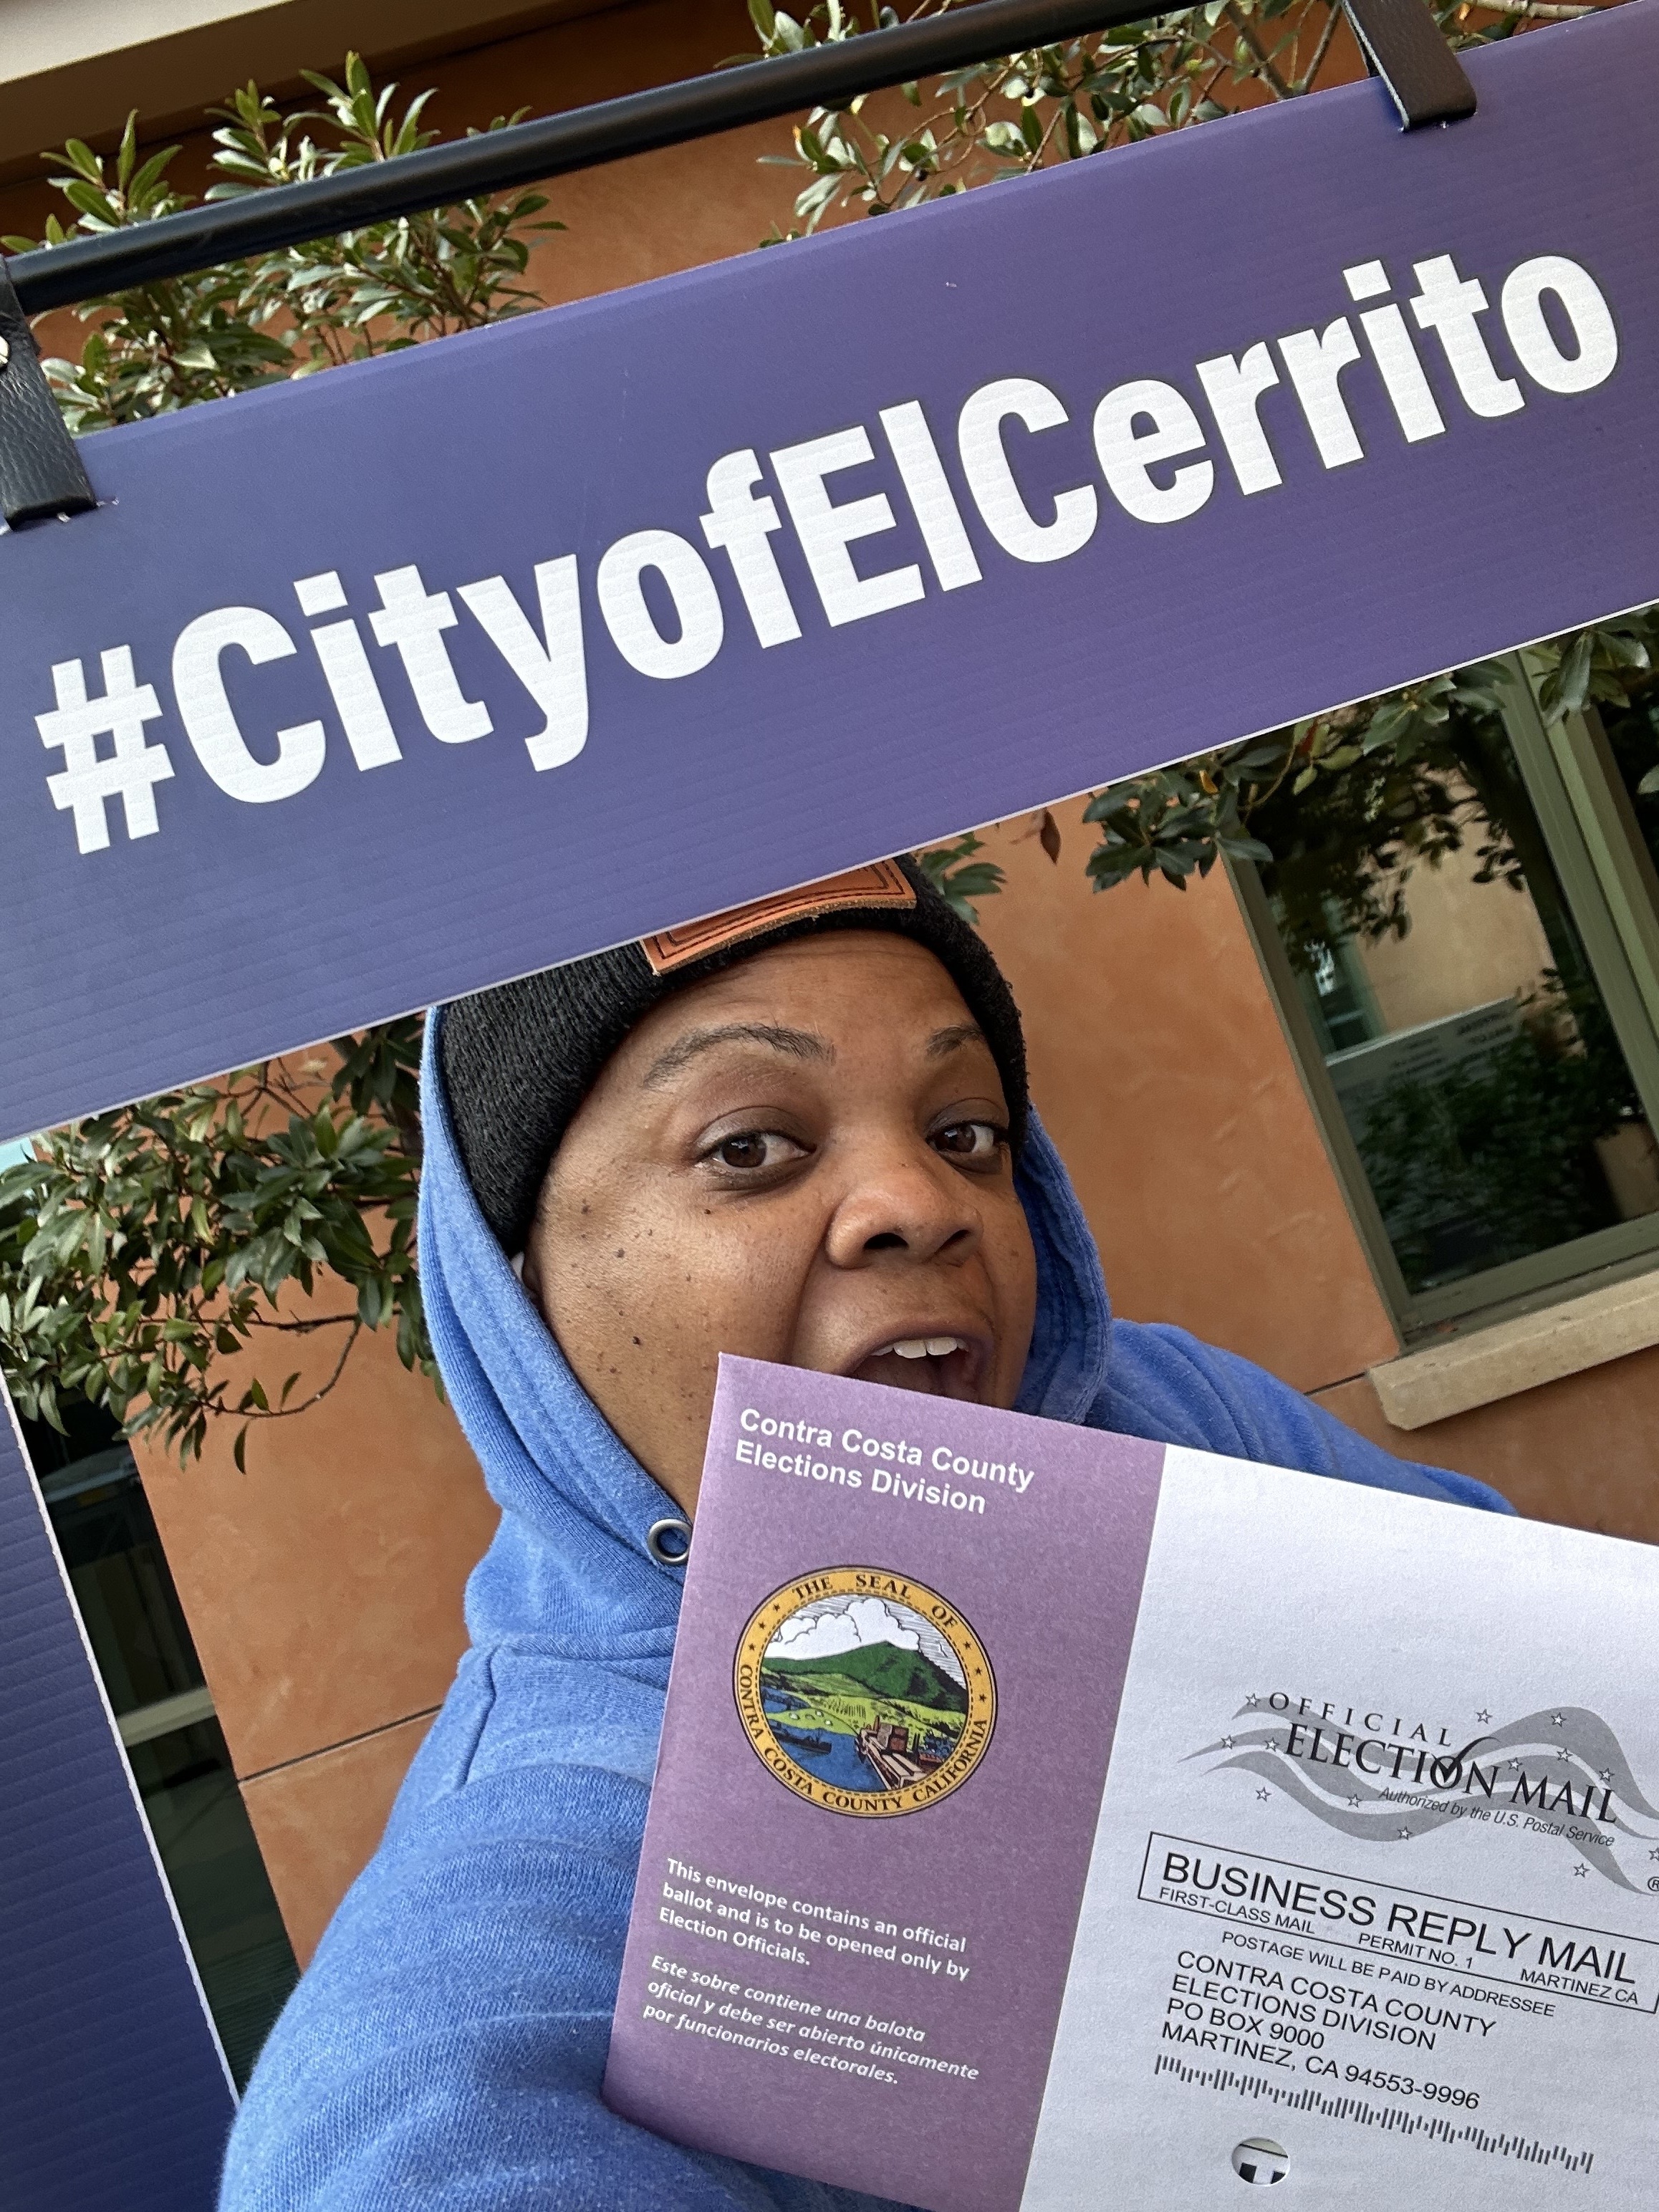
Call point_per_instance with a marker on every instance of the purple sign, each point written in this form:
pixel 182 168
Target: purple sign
pixel 390 684
pixel 828 1971
pixel 114 2096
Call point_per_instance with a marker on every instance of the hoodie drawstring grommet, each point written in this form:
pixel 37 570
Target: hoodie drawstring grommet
pixel 669 1542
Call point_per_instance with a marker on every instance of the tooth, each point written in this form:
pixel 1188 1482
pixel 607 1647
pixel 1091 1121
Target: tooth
pixel 913 1347
pixel 939 1345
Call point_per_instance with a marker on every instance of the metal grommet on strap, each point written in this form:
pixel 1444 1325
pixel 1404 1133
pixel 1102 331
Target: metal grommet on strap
pixel 669 1542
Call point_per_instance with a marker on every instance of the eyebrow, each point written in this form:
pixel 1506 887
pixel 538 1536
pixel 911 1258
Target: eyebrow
pixel 797 1044
pixel 943 1042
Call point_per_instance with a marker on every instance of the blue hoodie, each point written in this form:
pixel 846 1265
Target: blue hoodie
pixel 444 2051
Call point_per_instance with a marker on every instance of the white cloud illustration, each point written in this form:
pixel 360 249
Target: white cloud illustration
pixel 831 1625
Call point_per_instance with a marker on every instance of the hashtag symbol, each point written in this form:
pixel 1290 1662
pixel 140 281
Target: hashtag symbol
pixel 88 779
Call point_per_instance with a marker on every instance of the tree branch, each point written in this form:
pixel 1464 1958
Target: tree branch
pixel 1551 11
pixel 1305 82
pixel 283 1413
pixel 304 1328
pixel 1246 30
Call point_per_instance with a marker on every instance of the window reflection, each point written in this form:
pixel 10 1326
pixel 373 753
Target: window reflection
pixel 1467 1044
pixel 1633 734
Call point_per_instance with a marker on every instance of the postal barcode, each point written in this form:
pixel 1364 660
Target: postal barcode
pixel 1392 2119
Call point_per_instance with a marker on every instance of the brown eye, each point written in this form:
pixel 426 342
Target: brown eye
pixel 969 1140
pixel 745 1151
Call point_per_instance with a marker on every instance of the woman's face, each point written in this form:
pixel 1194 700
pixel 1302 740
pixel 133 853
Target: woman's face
pixel 802 1159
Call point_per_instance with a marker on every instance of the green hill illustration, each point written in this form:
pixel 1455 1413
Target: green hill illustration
pixel 879 1671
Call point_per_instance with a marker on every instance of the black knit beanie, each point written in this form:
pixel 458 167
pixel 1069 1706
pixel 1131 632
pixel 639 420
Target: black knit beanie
pixel 518 1060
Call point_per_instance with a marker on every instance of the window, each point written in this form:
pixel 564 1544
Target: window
pixel 164 1710
pixel 1464 948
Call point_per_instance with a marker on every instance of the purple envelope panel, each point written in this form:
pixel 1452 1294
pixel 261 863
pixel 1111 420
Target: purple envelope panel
pixel 843 1993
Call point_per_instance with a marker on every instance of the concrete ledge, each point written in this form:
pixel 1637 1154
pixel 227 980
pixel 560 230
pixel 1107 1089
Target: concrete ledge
pixel 147 1722
pixel 77 66
pixel 1512 1356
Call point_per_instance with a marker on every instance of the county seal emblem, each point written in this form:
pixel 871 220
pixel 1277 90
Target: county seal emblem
pixel 864 1692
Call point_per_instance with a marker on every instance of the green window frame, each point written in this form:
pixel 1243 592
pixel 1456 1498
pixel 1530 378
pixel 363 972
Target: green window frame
pixel 1612 891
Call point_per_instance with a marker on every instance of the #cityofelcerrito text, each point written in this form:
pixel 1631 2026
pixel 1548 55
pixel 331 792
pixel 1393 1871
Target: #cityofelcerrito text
pixel 380 672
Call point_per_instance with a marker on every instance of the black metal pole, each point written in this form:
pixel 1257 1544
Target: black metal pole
pixel 758 92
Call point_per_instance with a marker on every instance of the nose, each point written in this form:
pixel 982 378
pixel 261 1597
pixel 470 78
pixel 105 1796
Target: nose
pixel 901 1199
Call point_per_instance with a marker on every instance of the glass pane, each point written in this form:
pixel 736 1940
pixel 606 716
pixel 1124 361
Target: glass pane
pixel 1470 1049
pixel 219 1883
pixel 119 1576
pixel 1632 732
pixel 180 1761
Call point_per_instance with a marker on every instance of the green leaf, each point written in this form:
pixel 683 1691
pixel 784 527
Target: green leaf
pixel 82 158
pixel 1571 686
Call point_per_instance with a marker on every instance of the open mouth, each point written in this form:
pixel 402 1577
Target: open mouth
pixel 938 1366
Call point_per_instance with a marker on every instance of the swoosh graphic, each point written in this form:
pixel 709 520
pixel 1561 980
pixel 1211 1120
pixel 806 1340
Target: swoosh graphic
pixel 1568 1744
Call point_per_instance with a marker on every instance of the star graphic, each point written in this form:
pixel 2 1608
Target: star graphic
pixel 1606 1774
pixel 1226 1743
pixel 1264 1794
pixel 1581 1870
pixel 1353 1801
pixel 1483 1717
pixel 1404 1834
pixel 1558 1720
pixel 1562 1751
pixel 1514 1763
pixel 1273 1743
pixel 1251 1703
pixel 1654 1855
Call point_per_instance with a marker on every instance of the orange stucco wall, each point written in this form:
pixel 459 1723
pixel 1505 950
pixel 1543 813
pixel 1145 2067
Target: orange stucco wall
pixel 323 1586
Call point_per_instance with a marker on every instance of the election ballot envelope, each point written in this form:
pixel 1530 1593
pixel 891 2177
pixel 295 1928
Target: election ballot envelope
pixel 1047 1818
